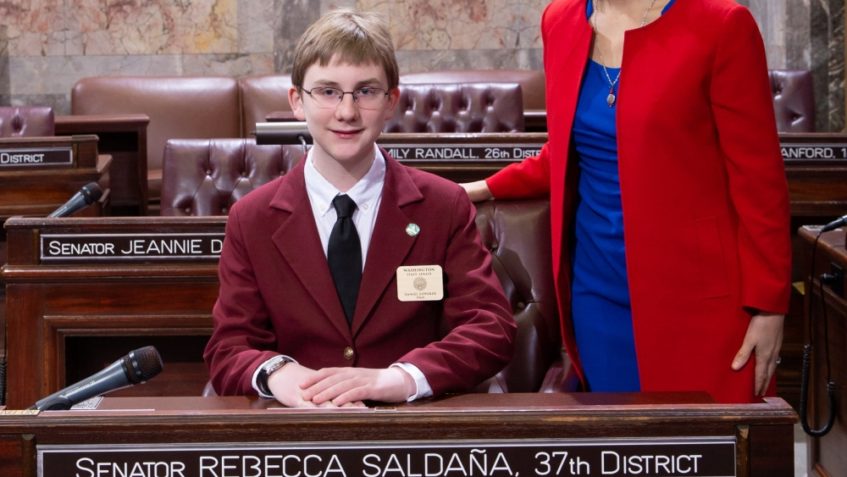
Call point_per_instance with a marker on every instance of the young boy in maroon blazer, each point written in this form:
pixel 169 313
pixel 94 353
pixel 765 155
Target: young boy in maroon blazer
pixel 352 277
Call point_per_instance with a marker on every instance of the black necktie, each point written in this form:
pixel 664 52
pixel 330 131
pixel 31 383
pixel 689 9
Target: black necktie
pixel 344 254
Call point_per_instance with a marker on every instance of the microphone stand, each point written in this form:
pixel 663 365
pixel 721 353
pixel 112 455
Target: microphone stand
pixel 304 144
pixel 807 356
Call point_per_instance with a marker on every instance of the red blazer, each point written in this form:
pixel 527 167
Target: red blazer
pixel 703 188
pixel 277 294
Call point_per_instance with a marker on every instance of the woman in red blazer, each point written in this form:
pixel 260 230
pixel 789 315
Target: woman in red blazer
pixel 667 189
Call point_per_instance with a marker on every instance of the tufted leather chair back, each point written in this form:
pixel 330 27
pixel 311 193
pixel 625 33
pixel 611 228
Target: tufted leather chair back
pixel 261 95
pixel 531 81
pixel 206 176
pixel 29 121
pixel 518 235
pixel 793 100
pixel 465 107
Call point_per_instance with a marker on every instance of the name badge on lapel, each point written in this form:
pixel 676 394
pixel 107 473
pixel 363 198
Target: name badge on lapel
pixel 420 283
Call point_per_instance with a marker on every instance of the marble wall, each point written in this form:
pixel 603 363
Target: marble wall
pixel 438 34
pixel 827 61
pixel 47 45
pixel 4 67
pixel 808 34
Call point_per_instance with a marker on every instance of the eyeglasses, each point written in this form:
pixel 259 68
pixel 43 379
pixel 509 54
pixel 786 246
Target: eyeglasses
pixel 367 97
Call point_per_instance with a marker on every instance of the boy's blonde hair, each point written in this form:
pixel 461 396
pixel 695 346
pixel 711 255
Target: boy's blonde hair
pixel 356 37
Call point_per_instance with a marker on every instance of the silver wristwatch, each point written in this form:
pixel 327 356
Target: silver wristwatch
pixel 269 367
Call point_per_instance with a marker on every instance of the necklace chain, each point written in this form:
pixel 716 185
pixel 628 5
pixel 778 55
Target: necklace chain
pixel 610 99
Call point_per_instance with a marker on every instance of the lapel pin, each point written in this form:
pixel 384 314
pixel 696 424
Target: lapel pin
pixel 413 229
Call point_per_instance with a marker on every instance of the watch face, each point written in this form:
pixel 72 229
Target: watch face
pixel 275 364
pixel 267 369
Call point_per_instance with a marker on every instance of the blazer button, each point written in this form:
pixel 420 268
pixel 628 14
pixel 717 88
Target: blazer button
pixel 349 353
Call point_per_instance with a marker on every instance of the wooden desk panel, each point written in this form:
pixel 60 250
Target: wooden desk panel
pixel 462 157
pixel 40 190
pixel 762 433
pixel 817 188
pixel 102 309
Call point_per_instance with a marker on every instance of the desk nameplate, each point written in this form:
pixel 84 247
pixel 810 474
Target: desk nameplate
pixel 463 151
pixel 516 152
pixel 810 151
pixel 694 456
pixel 36 157
pixel 123 247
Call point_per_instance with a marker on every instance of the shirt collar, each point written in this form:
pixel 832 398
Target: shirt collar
pixel 364 193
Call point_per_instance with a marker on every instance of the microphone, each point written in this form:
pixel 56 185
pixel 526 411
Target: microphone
pixel 834 224
pixel 283 132
pixel 136 367
pixel 86 196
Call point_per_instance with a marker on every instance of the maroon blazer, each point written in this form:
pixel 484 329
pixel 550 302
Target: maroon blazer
pixel 703 187
pixel 277 294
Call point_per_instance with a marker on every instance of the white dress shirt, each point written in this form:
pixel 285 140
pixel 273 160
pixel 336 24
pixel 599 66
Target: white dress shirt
pixel 367 194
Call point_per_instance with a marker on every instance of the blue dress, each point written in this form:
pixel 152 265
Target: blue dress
pixel 600 306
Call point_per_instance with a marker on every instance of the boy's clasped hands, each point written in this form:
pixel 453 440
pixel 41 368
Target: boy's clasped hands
pixel 298 386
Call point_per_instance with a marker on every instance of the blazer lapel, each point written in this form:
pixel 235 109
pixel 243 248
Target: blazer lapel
pixel 298 242
pixel 570 39
pixel 390 244
pixel 569 46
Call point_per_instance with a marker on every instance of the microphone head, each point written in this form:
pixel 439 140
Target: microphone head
pixel 283 132
pixel 91 192
pixel 142 364
pixel 839 222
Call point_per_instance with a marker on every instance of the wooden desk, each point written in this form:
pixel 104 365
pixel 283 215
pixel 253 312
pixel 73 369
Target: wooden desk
pixel 38 175
pixel 816 168
pixel 461 157
pixel 526 433
pixel 72 309
pixel 124 137
pixel 535 120
pixel 827 454
pixel 815 163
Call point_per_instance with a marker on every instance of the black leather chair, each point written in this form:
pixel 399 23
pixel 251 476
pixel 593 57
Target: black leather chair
pixel 517 233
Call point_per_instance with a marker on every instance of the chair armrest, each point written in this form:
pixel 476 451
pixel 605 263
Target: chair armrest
pixel 561 377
